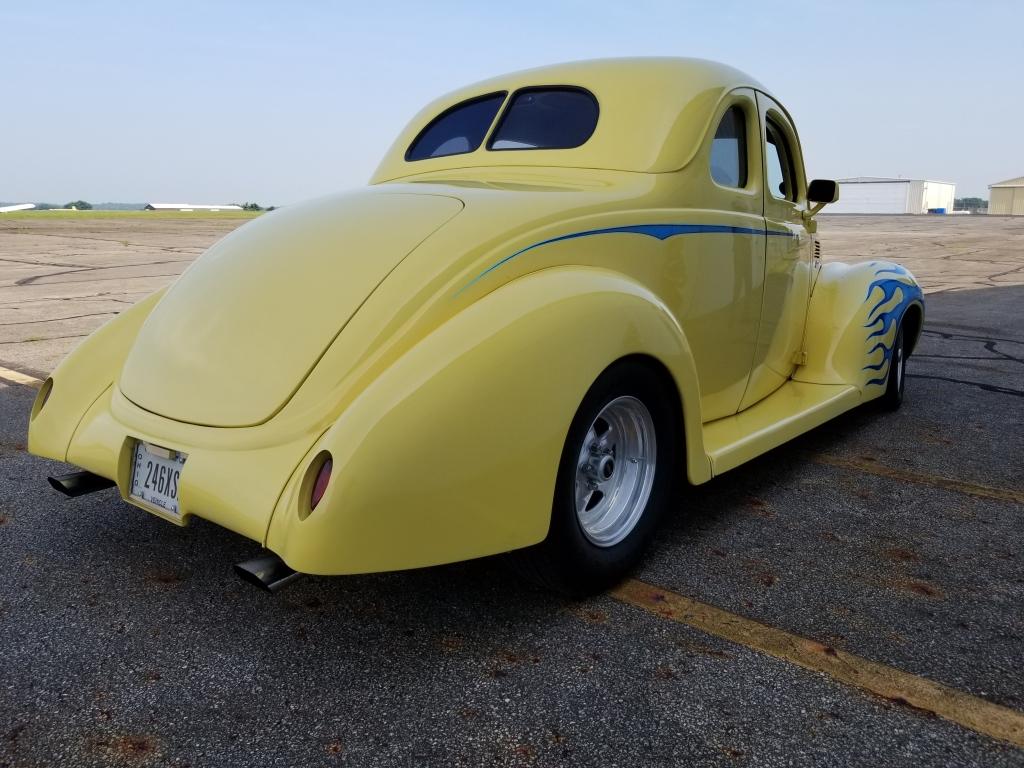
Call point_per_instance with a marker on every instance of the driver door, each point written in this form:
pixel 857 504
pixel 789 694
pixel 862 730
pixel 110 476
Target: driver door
pixel 788 258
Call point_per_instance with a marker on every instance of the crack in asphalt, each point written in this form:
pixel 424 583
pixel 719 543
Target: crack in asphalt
pixel 951 336
pixel 103 296
pixel 45 338
pixel 993 388
pixel 125 243
pixel 33 278
pixel 43 263
pixel 989 344
pixel 105 279
pixel 969 357
pixel 57 319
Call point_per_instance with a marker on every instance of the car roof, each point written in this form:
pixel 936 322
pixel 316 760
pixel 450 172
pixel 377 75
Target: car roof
pixel 654 111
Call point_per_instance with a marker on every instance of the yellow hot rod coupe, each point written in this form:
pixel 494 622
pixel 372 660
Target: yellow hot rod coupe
pixel 564 290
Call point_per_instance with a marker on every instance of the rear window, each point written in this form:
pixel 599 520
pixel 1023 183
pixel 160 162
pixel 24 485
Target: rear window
pixel 546 118
pixel 456 130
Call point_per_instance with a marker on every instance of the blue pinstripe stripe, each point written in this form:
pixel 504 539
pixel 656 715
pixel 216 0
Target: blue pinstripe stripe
pixel 657 231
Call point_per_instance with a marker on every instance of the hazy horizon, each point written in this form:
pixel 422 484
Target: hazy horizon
pixel 273 103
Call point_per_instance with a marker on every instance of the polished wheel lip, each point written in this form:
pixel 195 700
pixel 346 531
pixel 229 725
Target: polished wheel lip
pixel 900 362
pixel 615 471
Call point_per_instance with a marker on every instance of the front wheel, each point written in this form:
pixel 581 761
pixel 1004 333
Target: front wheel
pixel 615 479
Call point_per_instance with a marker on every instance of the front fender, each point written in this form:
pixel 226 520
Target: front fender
pixel 452 452
pixel 81 378
pixel 852 320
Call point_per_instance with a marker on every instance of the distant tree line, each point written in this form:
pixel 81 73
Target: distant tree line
pixel 970 203
pixel 83 205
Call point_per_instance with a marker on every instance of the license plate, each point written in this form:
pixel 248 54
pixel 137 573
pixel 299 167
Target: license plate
pixel 155 475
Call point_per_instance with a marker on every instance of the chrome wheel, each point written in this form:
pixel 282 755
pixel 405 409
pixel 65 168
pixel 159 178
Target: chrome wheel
pixel 615 471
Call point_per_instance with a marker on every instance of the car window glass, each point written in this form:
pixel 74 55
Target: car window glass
pixel 729 150
pixel 458 130
pixel 779 164
pixel 546 118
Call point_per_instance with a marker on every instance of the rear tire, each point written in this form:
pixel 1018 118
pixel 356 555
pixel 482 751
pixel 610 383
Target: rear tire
pixel 896 380
pixel 615 478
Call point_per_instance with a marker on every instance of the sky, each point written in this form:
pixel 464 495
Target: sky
pixel 275 102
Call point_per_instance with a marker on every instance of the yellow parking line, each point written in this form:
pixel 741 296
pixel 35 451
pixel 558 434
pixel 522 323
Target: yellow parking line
pixel 888 682
pixel 6 374
pixel 938 481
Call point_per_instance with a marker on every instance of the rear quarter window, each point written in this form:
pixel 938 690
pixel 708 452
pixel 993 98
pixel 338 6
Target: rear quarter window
pixel 729 150
pixel 546 118
pixel 457 130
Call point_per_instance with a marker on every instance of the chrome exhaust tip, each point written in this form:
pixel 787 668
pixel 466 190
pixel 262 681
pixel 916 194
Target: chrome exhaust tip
pixel 268 572
pixel 79 483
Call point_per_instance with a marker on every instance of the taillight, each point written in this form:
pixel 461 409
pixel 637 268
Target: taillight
pixel 323 477
pixel 42 397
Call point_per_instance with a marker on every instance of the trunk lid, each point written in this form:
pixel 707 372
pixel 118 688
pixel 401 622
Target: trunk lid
pixel 233 339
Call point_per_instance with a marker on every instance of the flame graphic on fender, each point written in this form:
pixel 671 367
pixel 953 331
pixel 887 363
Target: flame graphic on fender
pixel 884 322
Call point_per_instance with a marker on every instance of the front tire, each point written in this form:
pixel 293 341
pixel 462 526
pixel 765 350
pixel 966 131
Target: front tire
pixel 615 479
pixel 896 380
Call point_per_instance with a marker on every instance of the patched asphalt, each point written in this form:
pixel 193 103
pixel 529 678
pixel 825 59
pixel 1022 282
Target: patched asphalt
pixel 128 641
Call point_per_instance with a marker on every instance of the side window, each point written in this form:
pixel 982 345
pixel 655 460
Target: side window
pixel 729 150
pixel 781 176
pixel 456 130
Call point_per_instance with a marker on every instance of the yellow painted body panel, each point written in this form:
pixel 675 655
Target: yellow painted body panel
pixel 472 421
pixel 789 411
pixel 436 331
pixel 278 300
pixel 82 377
pixel 852 320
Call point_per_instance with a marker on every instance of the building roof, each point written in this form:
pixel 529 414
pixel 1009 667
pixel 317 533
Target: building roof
pixel 17 207
pixel 886 180
pixel 1018 182
pixel 870 180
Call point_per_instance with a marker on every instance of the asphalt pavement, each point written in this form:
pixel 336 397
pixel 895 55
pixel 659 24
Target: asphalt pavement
pixel 896 537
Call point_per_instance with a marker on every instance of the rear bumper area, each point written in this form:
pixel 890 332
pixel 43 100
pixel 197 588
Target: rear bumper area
pixel 237 488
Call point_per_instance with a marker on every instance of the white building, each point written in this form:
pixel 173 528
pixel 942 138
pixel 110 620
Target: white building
pixel 873 194
pixel 190 207
pixel 1006 198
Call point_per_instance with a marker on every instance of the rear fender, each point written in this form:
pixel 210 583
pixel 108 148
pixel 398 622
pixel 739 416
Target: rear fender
pixel 452 452
pixel 852 320
pixel 81 378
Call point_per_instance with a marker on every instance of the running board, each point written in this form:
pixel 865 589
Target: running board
pixel 80 483
pixel 794 408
